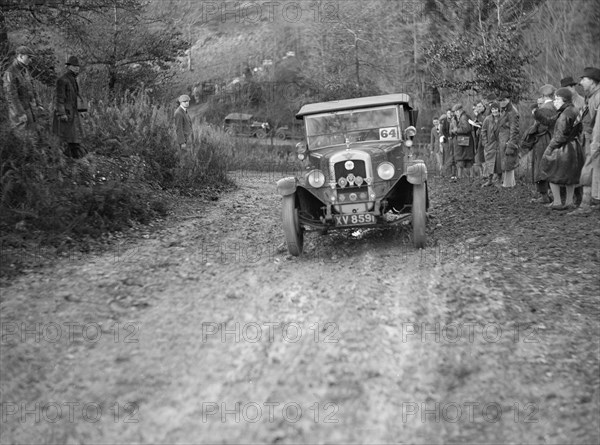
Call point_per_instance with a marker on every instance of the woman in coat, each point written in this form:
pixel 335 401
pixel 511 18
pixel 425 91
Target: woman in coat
pixel 489 140
pixel 508 141
pixel 464 148
pixel 564 157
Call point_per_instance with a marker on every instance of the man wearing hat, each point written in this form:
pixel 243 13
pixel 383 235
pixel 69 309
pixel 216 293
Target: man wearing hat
pixel 22 99
pixel 183 125
pixel 578 101
pixel 67 123
pixel 590 174
pixel 537 138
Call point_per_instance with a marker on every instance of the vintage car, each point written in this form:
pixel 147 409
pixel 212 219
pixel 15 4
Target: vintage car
pixel 359 169
pixel 242 124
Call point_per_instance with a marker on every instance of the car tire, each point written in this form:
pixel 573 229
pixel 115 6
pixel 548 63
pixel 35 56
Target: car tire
pixel 419 216
pixel 261 133
pixel 294 234
pixel 281 135
pixel 230 131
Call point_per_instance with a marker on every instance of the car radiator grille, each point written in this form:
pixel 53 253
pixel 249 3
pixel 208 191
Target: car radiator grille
pixel 358 170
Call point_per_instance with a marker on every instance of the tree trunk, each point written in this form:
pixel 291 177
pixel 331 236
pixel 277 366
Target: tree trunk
pixel 357 64
pixel 3 41
pixel 190 50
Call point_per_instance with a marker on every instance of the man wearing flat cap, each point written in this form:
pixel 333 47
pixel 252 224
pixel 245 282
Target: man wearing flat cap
pixel 183 126
pixel 578 101
pixel 23 102
pixel 590 174
pixel 67 122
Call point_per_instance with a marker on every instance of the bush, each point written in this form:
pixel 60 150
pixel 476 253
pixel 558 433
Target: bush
pixel 131 154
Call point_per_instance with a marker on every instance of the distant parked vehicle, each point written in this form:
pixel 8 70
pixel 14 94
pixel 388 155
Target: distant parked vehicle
pixel 242 124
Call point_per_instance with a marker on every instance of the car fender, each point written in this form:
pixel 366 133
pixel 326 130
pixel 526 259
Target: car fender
pixel 416 173
pixel 287 186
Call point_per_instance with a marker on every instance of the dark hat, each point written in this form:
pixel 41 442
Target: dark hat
pixel 457 107
pixel 490 97
pixel 565 93
pixel 547 90
pixel 592 73
pixel 494 105
pixel 503 96
pixel 567 82
pixel 72 60
pixel 25 50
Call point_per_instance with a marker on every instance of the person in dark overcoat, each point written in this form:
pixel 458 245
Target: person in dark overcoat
pixel 537 137
pixel 564 157
pixel 448 143
pixel 464 149
pixel 479 115
pixel 66 123
pixel 21 97
pixel 508 140
pixel 489 140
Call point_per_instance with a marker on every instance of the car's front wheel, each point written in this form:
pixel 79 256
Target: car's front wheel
pixel 261 133
pixel 294 234
pixel 419 216
pixel 281 135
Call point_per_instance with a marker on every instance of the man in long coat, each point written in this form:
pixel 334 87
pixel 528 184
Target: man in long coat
pixel 183 128
pixel 508 140
pixel 590 176
pixel 537 138
pixel 21 97
pixel 67 122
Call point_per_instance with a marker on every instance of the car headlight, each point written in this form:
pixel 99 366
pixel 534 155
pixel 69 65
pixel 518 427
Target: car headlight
pixel 386 170
pixel 410 132
pixel 316 178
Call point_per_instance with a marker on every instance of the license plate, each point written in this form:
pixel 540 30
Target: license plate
pixel 354 219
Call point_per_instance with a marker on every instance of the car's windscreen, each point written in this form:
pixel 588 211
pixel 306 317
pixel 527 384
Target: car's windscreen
pixel 352 126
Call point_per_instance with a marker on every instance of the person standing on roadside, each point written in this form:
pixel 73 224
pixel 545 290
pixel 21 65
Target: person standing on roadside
pixel 436 145
pixel 489 139
pixel 447 150
pixel 508 140
pixel 564 158
pixel 590 174
pixel 183 127
pixel 479 115
pixel 537 139
pixel 464 149
pixel 23 103
pixel 67 122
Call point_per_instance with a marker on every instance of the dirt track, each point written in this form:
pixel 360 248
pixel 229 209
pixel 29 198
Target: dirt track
pixel 209 332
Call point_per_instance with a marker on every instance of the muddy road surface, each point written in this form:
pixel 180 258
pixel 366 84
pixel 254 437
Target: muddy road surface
pixel 207 331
